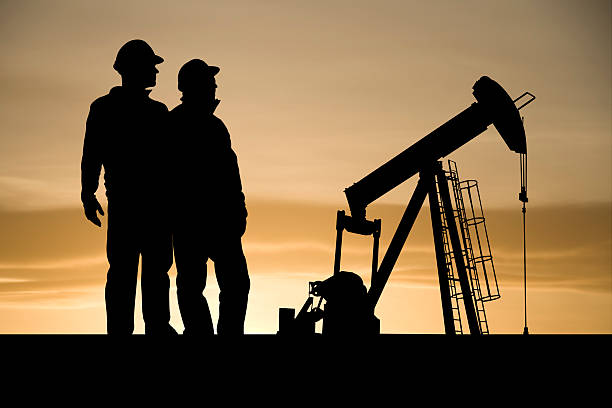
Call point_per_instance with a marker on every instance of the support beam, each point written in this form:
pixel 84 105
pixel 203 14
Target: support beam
pixel 376 234
pixel 397 242
pixel 436 226
pixel 339 230
pixel 458 255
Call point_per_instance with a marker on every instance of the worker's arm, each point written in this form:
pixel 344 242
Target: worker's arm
pixel 234 184
pixel 91 165
pixel 236 191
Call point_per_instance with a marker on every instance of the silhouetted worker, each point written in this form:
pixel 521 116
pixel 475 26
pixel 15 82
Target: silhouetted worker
pixel 124 133
pixel 210 212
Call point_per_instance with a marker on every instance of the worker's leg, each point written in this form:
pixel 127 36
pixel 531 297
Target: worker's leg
pixel 156 262
pixel 123 254
pixel 190 283
pixel 234 284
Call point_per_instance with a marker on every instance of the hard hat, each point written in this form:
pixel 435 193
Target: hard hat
pixel 135 53
pixel 194 73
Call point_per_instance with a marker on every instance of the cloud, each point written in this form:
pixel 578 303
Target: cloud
pixel 21 193
pixel 84 297
pixel 57 249
pixel 62 264
pixel 12 280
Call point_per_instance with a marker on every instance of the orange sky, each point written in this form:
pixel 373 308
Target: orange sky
pixel 315 96
pixel 53 269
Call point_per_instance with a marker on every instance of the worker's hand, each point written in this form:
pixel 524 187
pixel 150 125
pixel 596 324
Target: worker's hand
pixel 92 207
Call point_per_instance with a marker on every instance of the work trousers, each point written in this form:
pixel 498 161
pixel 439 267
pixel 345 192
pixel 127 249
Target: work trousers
pixel 192 249
pixel 134 232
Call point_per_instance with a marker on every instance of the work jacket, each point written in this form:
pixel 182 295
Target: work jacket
pixel 205 178
pixel 125 134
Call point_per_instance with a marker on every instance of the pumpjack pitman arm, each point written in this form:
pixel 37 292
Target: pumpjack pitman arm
pixel 493 106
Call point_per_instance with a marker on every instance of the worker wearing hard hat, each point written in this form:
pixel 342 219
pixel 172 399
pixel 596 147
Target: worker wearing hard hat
pixel 210 212
pixel 124 134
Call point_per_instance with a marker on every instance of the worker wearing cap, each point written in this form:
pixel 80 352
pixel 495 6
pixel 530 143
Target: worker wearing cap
pixel 210 213
pixel 124 134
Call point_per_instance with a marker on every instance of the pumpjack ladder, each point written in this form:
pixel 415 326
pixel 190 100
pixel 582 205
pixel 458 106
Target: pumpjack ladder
pixel 478 266
pixel 453 280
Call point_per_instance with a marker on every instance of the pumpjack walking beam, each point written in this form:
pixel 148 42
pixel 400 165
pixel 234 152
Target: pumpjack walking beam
pixel 493 106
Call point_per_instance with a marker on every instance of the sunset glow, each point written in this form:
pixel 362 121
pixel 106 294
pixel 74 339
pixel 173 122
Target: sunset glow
pixel 315 96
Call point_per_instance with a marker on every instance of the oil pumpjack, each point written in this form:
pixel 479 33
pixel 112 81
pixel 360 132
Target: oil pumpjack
pixel 349 307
